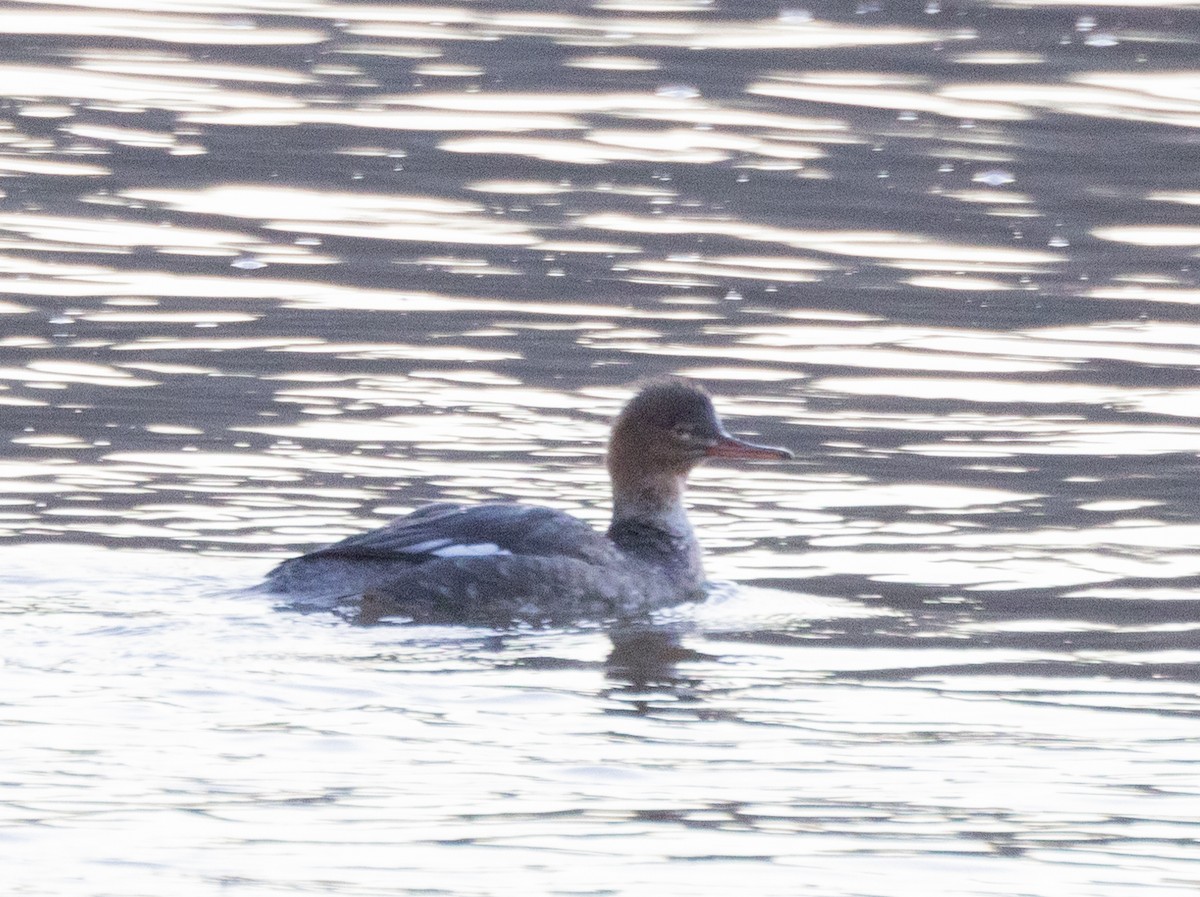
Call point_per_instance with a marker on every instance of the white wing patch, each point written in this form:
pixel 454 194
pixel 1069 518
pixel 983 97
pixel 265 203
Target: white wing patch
pixel 480 549
pixel 431 546
pixel 448 548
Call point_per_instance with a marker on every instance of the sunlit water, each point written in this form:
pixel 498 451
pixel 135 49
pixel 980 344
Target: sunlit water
pixel 273 271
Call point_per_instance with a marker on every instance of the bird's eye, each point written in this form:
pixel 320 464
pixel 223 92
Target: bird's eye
pixel 683 431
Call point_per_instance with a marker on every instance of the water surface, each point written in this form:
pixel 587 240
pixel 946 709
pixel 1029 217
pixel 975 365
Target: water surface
pixel 274 271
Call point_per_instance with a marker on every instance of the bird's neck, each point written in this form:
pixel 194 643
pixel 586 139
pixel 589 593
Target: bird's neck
pixel 650 523
pixel 652 500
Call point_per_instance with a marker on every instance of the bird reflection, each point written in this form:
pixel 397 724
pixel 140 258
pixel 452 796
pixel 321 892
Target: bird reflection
pixel 647 655
pixel 643 668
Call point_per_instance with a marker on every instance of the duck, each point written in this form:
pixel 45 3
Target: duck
pixel 507 562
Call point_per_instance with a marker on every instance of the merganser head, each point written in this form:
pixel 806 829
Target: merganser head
pixel 671 426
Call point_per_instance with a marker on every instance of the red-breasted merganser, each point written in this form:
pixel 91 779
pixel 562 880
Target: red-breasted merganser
pixel 501 562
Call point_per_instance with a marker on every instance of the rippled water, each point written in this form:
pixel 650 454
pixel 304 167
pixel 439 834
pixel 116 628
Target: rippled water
pixel 274 271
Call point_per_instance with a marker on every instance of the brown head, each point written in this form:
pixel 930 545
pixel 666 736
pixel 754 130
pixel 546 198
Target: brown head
pixel 669 427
